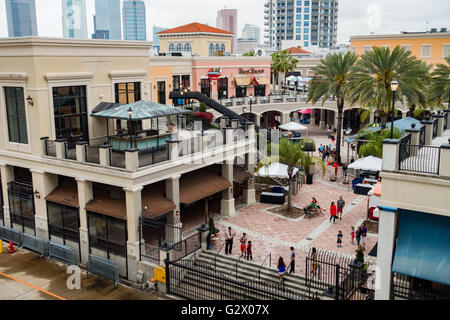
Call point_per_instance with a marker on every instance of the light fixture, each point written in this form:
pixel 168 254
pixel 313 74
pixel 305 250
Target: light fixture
pixel 394 85
pixel 30 101
pixel 37 194
pixel 178 213
pixel 130 112
pixel 101 96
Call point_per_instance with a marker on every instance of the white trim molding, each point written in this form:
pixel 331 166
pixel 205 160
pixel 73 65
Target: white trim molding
pixel 68 76
pixel 13 76
pixel 127 74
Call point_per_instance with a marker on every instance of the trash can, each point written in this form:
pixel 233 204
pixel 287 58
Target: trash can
pixel 309 178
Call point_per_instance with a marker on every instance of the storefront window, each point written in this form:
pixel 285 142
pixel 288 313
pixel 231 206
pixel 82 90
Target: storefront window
pixel 205 87
pixel 211 49
pixel 70 112
pixel 107 233
pixel 16 116
pixel 127 92
pixel 176 83
pixel 187 47
pixel 241 91
pixel 63 222
pixel 185 81
pixel 21 199
pixel 260 91
pixel 161 92
pixel 223 88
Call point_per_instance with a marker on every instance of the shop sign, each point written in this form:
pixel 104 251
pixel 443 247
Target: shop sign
pixel 251 70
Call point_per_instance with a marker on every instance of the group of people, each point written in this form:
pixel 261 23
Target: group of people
pixel 327 151
pixel 245 244
pixel 281 266
pixel 360 234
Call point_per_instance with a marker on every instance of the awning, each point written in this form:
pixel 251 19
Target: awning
pixel 200 184
pixel 242 81
pixel 153 197
pixel 102 106
pixel 141 110
pixel 240 175
pixel 65 194
pixel 369 163
pixel 103 204
pixel 263 80
pixel 423 247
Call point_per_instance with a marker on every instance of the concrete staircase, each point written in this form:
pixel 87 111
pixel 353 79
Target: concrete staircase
pixel 247 272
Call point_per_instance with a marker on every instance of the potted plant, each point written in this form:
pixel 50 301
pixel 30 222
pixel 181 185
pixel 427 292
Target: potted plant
pixel 359 259
pixel 170 124
pixel 212 226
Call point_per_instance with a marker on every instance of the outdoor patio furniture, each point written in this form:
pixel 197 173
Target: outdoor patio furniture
pixel 362 189
pixel 355 182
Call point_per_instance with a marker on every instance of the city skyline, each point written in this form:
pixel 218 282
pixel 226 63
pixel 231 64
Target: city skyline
pixel 21 18
pixel 74 19
pixel 355 18
pixel 133 20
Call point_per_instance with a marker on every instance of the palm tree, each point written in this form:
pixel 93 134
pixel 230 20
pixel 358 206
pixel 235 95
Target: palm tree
pixel 371 77
pixel 439 91
pixel 331 80
pixel 283 62
pixel 249 54
pixel 290 154
pixel 374 146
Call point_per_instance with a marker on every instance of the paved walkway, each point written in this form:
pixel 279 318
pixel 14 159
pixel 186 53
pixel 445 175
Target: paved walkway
pixel 275 234
pixel 23 276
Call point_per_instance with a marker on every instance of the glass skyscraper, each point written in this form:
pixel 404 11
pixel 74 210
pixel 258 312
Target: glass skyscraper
pixel 74 19
pixel 21 16
pixel 309 22
pixel 107 20
pixel 134 22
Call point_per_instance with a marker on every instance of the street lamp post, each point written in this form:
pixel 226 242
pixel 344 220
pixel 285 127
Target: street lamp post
pixel 394 88
pixel 130 113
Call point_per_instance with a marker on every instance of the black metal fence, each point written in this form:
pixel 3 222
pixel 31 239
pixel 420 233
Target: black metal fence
pixel 417 158
pixel 186 246
pixel 422 136
pixel 153 155
pixel 409 288
pixel 339 277
pixel 445 120
pixel 196 280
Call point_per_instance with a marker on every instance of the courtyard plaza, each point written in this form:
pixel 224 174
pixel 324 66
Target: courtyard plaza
pixel 275 234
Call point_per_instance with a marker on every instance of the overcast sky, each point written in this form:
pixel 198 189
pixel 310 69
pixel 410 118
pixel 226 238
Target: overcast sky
pixel 355 16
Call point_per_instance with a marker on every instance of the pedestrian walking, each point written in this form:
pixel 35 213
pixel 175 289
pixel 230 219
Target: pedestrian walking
pixel 358 236
pixel 340 206
pixel 281 270
pixel 339 239
pixel 352 235
pixel 336 168
pixel 363 235
pixel 292 265
pixel 249 250
pixel 229 235
pixel 333 212
pixel 243 241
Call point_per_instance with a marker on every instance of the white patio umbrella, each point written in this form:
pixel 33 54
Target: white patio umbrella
pixel 293 126
pixel 275 170
pixel 369 163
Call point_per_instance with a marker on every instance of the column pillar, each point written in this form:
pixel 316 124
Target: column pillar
pixel 227 202
pixel 85 194
pixel 134 211
pixel 386 242
pixel 444 168
pixel 7 175
pixel 313 116
pixel 249 195
pixel 441 119
pixel 336 119
pixel 428 131
pixel 404 113
pixel 132 159
pixel 173 149
pixel 81 151
pixel 223 122
pixel 447 111
pixel 173 194
pixel 285 118
pixel 391 147
pixel 323 119
pixel 60 146
pixel 372 116
pixel 44 146
pixel 105 155
pixel 44 183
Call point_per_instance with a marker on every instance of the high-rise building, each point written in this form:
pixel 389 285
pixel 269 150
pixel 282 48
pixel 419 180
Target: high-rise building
pixel 107 20
pixel 134 22
pixel 74 19
pixel 311 23
pixel 251 32
pixel 21 16
pixel 227 20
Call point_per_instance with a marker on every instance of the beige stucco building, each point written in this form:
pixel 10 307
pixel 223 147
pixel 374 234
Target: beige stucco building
pixel 102 185
pixel 197 39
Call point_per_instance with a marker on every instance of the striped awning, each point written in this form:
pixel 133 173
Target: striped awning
pixel 141 110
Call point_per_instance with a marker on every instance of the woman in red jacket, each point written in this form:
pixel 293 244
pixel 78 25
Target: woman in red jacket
pixel 333 212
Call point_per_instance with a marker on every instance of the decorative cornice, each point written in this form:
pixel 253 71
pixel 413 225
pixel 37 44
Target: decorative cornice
pixel 69 76
pixel 13 76
pixel 127 74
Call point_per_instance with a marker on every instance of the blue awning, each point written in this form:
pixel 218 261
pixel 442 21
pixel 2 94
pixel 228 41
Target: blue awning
pixel 423 247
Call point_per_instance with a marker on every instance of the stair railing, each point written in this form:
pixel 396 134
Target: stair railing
pixel 264 262
pixel 215 257
pixel 235 268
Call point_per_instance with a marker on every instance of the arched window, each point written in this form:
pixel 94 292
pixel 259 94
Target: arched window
pixel 217 47
pixel 211 49
pixel 187 47
pixel 179 47
pixel 222 48
pixel 171 48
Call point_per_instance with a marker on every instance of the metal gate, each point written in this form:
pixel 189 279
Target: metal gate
pixel 339 277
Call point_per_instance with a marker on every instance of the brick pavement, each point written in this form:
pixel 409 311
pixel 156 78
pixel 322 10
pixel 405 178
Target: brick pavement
pixel 273 234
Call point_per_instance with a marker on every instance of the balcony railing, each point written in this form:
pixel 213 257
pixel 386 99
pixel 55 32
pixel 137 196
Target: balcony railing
pixel 417 158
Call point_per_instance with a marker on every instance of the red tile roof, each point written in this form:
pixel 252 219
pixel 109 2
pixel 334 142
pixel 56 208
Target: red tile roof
pixel 297 50
pixel 194 28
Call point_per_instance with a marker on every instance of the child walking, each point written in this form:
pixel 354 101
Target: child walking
pixel 243 241
pixel 249 250
pixel 352 235
pixel 339 239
